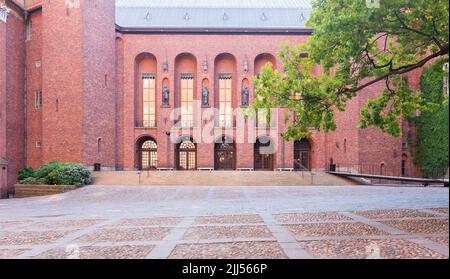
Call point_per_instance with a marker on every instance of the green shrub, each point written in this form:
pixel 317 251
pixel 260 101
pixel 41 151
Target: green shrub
pixel 34 181
pixel 70 174
pixel 25 173
pixel 56 173
pixel 46 169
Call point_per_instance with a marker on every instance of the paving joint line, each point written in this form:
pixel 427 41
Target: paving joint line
pixel 291 248
pixel 415 238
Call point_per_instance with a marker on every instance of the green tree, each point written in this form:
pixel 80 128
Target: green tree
pixel 357 45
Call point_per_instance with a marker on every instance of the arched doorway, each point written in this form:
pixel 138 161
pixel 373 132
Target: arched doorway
pixel 148 154
pixel 186 155
pixel 264 154
pixel 302 155
pixel 224 154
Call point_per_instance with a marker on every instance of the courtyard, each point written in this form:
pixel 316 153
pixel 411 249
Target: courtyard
pixel 188 222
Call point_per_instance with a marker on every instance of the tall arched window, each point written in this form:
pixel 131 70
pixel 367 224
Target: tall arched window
pixel 261 61
pixel 225 100
pixel 149 103
pixel 187 100
pixel 145 92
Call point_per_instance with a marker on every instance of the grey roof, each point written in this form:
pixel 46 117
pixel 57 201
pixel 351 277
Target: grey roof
pixel 213 14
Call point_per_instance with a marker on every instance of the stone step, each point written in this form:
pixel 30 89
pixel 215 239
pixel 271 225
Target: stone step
pixel 218 178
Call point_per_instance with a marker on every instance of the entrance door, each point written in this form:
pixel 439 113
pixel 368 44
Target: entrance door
pixel 148 155
pixel 187 156
pixel 225 156
pixel 263 154
pixel 302 158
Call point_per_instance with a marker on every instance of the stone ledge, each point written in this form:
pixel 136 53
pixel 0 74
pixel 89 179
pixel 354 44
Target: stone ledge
pixel 30 190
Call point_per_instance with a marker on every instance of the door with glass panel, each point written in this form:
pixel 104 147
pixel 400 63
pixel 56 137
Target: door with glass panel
pixel 148 155
pixel 187 156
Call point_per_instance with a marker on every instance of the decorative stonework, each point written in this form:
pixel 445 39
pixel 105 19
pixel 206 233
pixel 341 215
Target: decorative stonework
pixel 4 11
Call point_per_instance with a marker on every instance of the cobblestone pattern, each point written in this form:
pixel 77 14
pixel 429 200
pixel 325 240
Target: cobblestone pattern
pixel 192 222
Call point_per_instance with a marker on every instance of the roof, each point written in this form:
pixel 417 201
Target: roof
pixel 209 15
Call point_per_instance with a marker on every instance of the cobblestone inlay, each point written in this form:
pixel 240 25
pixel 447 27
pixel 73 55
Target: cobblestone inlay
pixel 93 252
pixel 122 235
pixel 368 249
pixel 226 232
pixel 440 210
pixel 229 219
pixel 64 224
pixel 11 253
pixel 310 217
pixel 430 226
pixel 342 229
pixel 233 250
pixel 440 239
pixel 11 224
pixel 142 222
pixel 394 214
pixel 30 237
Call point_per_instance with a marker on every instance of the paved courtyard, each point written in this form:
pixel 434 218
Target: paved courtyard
pixel 228 222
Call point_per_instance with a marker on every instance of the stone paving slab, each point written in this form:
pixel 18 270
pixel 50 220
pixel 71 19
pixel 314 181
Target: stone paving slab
pixel 342 229
pixel 231 232
pixel 372 249
pixel 429 226
pixel 116 235
pixel 233 250
pixel 228 222
pixel 394 214
pixel 92 252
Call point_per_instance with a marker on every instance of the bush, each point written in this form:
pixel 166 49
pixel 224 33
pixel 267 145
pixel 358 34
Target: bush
pixel 34 181
pixel 56 173
pixel 70 174
pixel 25 173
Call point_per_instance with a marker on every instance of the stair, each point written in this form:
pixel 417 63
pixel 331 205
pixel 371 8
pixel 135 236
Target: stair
pixel 218 178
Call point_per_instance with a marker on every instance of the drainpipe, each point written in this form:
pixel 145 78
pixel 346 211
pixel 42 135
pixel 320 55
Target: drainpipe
pixel 25 95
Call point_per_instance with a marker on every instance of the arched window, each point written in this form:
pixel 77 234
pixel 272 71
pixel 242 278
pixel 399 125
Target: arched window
pixel 186 155
pixel 148 155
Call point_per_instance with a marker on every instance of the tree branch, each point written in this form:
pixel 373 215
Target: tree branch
pixel 399 71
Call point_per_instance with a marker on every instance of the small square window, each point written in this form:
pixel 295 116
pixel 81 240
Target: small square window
pixel 38 144
pixel 404 145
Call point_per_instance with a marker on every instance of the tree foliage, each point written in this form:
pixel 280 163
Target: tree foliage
pixel 357 46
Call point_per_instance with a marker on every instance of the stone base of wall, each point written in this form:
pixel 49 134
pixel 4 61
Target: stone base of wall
pixel 26 190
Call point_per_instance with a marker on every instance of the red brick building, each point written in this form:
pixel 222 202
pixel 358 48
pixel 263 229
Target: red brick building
pixel 107 82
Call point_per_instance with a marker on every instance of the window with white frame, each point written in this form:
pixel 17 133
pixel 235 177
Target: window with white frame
pixel 187 100
pixel 225 100
pixel 38 100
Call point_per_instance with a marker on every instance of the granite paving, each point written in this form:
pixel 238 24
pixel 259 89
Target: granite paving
pixel 196 222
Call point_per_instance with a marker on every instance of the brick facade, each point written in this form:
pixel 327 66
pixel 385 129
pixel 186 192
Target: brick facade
pixel 89 74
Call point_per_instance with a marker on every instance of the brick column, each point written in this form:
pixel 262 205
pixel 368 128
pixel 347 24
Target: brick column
pixel 3 163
